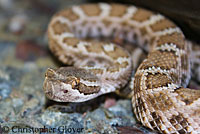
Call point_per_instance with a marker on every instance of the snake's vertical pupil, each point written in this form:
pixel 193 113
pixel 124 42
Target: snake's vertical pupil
pixel 75 82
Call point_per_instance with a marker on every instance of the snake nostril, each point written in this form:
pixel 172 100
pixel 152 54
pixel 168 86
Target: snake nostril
pixel 65 91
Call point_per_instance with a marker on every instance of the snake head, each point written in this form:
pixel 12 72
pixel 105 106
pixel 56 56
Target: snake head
pixel 70 84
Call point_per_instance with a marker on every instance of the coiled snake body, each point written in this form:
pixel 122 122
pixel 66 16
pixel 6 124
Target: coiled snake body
pixel 159 97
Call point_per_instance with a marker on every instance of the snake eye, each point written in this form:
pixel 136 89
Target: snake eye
pixel 75 83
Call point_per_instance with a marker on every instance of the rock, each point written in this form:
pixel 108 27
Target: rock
pixel 29 50
pixel 17 23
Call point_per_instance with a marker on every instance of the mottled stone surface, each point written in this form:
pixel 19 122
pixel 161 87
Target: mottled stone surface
pixel 24 57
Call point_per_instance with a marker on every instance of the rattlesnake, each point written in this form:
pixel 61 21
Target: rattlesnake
pixel 159 97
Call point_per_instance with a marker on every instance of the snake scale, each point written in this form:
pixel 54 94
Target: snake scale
pixel 160 98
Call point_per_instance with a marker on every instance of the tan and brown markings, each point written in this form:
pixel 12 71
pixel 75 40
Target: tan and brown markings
pixel 160 99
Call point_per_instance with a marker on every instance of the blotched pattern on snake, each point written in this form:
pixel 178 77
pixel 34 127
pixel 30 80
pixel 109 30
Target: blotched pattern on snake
pixel 159 97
